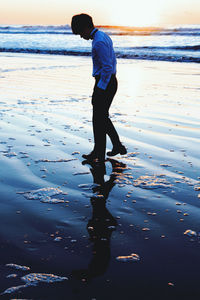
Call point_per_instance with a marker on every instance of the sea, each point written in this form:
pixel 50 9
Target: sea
pixel 179 44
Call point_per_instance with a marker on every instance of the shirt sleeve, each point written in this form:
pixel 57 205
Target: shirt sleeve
pixel 105 59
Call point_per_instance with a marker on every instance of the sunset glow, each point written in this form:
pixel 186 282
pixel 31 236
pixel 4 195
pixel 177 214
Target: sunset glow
pixel 126 12
pixel 138 17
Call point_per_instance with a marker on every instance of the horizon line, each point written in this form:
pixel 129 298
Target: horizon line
pixel 109 26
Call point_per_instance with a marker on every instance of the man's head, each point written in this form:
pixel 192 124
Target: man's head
pixel 83 25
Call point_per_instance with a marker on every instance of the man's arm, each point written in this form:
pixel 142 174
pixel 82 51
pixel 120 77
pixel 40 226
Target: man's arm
pixel 105 58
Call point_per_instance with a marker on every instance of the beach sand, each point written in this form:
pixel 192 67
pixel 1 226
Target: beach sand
pixel 61 217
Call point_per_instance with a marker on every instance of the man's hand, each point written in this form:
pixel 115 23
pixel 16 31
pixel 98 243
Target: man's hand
pixel 99 93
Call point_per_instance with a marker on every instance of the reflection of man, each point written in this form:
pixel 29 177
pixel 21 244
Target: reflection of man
pixel 104 71
pixel 102 223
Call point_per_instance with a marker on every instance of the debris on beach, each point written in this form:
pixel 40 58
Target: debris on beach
pixel 145 229
pixel 58 239
pixel 33 279
pixel 44 195
pixel 18 267
pixel 190 233
pixel 73 241
pixel 81 173
pixel 170 283
pixel 10 154
pixel 75 152
pixel 86 186
pixel 43 169
pixel 23 154
pixel 151 213
pixel 52 200
pixel 14 289
pixel 165 165
pixel 93 195
pixel 55 160
pixel 129 258
pixel 151 182
pixel 197 188
pixel 11 276
pixel 132 154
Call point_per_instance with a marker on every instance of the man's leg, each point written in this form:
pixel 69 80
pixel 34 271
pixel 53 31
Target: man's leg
pixel 112 133
pixel 110 129
pixel 99 121
pixel 102 124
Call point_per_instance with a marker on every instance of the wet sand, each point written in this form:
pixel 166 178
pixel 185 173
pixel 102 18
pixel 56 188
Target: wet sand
pixel 69 232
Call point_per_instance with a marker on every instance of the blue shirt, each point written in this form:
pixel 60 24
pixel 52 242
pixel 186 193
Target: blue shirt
pixel 103 57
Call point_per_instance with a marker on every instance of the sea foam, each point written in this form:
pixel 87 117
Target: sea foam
pixel 45 194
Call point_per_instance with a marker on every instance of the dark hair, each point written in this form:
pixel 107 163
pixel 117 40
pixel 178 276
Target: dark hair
pixel 80 22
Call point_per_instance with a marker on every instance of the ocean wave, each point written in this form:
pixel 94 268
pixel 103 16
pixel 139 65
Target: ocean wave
pixel 184 48
pixel 34 27
pixel 35 32
pixel 190 48
pixel 46 51
pixel 144 53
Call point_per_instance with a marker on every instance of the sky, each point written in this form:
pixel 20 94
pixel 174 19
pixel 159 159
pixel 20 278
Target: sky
pixel 104 12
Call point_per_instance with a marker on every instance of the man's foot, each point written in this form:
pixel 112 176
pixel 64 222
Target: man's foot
pixel 117 150
pixel 90 156
pixel 93 156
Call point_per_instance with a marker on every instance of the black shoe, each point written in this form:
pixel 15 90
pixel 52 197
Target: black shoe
pixel 117 150
pixel 93 163
pixel 90 156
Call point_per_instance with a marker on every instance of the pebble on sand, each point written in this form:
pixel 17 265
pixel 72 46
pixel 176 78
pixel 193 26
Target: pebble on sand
pixel 128 258
pixel 190 233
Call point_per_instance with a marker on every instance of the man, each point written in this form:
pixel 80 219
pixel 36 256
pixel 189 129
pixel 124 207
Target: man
pixel 104 71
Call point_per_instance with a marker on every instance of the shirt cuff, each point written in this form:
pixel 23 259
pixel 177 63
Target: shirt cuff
pixel 103 84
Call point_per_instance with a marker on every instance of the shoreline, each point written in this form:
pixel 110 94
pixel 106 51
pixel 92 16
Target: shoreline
pixel 152 192
pixel 71 53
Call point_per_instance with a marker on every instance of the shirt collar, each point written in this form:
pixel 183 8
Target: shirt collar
pixel 93 33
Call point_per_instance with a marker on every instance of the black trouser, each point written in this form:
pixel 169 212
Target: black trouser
pixel 102 124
